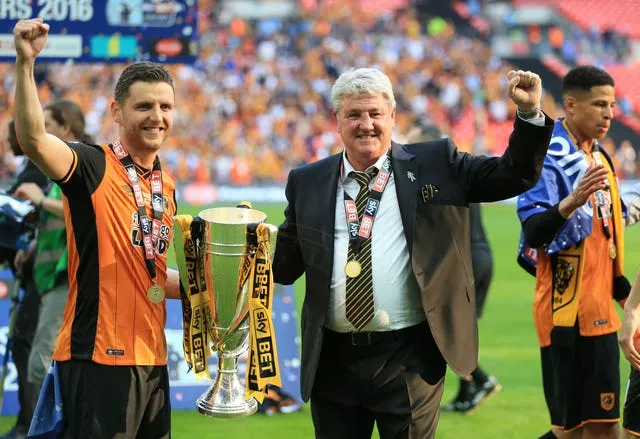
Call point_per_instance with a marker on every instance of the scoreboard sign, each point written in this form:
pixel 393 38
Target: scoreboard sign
pixel 107 30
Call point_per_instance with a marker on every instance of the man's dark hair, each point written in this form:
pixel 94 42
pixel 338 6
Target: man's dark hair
pixel 583 78
pixel 144 71
pixel 66 112
pixel 12 139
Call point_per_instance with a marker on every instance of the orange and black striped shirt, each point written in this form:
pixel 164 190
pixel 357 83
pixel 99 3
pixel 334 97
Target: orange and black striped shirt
pixel 108 317
pixel 596 313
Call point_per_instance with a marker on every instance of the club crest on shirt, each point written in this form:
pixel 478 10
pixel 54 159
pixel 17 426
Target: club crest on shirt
pixel 607 401
pixel 563 275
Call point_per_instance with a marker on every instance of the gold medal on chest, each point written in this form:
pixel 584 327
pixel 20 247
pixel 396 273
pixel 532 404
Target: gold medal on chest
pixel 613 252
pixel 353 269
pixel 155 293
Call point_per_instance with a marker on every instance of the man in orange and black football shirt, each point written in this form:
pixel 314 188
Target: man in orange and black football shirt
pixel 119 207
pixel 574 307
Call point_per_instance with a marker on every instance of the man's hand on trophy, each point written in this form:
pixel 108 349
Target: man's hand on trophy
pixel 525 90
pixel 29 38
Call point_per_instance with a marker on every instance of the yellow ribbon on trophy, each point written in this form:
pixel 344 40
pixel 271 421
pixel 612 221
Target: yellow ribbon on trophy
pixel 263 354
pixel 196 302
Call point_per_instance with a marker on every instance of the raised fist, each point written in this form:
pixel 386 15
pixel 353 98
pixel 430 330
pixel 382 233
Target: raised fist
pixel 29 37
pixel 525 89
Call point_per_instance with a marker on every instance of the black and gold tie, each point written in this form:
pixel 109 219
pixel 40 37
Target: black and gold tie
pixel 359 305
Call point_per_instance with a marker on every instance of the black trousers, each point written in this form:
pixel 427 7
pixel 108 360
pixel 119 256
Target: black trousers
pixel 115 402
pixel 26 323
pixel 482 263
pixel 393 379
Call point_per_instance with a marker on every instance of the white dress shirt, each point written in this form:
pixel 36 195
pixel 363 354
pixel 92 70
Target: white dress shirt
pixel 395 290
pixel 396 293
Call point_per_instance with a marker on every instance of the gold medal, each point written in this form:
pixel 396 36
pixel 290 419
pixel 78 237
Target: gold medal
pixel 353 268
pixel 155 293
pixel 613 252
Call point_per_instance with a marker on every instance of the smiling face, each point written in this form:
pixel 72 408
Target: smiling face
pixel 589 113
pixel 365 123
pixel 146 116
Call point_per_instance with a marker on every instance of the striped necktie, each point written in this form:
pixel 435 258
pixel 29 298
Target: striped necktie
pixel 359 304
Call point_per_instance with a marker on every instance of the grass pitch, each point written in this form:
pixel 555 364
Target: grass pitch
pixel 508 350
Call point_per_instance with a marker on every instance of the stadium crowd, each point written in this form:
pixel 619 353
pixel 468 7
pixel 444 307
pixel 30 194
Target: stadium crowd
pixel 257 102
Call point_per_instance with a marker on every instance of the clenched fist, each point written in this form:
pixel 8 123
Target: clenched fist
pixel 525 89
pixel 29 37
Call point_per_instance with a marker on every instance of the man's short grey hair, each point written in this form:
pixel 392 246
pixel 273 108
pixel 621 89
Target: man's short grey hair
pixel 362 81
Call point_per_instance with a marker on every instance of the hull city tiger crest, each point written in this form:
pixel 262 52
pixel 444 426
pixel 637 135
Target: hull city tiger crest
pixel 564 272
pixel 607 401
pixel 567 278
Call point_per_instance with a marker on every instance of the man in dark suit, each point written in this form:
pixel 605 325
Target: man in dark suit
pixel 389 285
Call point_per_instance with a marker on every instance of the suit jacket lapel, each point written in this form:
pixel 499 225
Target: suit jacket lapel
pixel 406 177
pixel 324 191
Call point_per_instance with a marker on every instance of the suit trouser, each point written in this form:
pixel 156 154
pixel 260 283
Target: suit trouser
pixel 395 379
pixel 482 263
pixel 26 323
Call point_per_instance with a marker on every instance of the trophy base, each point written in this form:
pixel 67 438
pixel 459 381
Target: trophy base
pixel 225 399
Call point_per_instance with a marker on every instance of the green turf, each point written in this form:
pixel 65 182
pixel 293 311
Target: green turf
pixel 508 349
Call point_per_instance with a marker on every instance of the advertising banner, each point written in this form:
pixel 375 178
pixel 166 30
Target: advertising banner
pixel 107 30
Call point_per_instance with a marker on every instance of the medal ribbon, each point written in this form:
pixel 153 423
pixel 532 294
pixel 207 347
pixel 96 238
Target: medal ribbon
pixel 603 203
pixel 150 228
pixel 360 230
pixel 616 217
pixel 263 353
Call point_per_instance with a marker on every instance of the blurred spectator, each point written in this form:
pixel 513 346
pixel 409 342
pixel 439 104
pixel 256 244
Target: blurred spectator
pixel 257 103
pixel 626 156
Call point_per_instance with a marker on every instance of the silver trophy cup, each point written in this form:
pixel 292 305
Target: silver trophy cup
pixel 229 234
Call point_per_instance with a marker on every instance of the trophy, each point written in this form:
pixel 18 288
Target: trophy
pixel 223 255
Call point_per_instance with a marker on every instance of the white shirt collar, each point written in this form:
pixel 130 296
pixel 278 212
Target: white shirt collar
pixel 347 168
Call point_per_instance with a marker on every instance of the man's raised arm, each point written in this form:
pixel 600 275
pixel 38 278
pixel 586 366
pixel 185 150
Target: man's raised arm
pixel 49 153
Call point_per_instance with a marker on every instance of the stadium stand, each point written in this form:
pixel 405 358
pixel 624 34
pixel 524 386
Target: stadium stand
pixel 257 103
pixel 621 15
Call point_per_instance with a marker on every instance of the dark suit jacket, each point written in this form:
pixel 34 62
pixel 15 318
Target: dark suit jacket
pixel 437 233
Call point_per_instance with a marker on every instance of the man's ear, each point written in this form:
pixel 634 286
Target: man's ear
pixel 116 112
pixel 569 104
